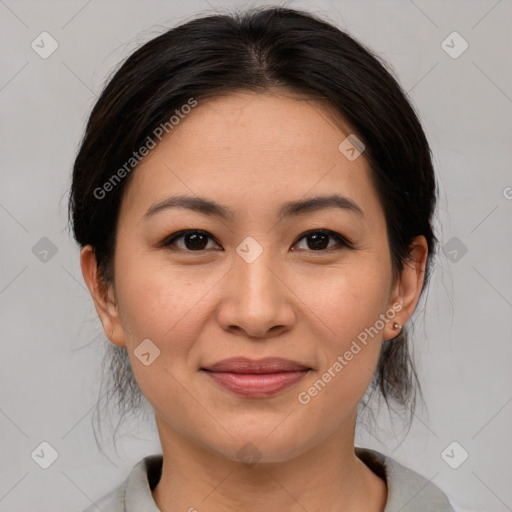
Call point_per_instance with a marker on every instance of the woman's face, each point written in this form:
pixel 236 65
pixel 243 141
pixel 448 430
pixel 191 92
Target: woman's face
pixel 253 283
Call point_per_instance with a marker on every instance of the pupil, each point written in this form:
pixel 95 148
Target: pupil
pixel 320 241
pixel 193 241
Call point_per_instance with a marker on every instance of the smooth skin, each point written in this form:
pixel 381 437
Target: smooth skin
pixel 199 304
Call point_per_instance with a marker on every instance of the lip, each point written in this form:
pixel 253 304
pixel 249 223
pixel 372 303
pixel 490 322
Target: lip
pixel 246 365
pixel 256 378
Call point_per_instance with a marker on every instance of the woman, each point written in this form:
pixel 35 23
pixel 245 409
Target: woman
pixel 253 198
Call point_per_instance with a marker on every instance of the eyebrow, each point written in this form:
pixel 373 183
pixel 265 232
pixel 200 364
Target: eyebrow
pixel 289 209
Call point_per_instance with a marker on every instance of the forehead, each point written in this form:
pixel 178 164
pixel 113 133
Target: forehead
pixel 253 148
pixel 284 124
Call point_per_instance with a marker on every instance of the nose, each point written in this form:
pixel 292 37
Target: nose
pixel 255 300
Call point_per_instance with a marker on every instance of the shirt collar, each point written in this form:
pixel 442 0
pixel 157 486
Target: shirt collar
pixel 407 490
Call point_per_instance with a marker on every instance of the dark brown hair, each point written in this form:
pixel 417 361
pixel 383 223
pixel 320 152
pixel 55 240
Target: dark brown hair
pixel 257 50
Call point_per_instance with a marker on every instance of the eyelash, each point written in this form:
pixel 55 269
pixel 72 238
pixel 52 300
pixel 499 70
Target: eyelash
pixel 169 241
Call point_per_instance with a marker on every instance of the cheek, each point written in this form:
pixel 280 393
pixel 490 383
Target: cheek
pixel 166 306
pixel 163 303
pixel 349 303
pixel 349 298
pixel 150 294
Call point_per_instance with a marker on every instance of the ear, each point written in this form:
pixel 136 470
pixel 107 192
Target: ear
pixel 103 295
pixel 407 289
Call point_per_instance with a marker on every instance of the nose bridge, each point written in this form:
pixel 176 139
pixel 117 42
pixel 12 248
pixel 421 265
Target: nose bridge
pixel 258 274
pixel 255 299
pixel 252 269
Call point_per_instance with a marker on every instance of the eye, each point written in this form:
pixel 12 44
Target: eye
pixel 193 240
pixel 318 240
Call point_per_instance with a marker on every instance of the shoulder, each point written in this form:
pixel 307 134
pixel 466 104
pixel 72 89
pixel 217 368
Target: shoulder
pixel 134 494
pixel 408 491
pixel 111 502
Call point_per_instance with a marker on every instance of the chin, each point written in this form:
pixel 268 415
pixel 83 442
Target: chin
pixel 260 445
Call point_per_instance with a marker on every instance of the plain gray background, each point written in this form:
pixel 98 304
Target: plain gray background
pixel 51 337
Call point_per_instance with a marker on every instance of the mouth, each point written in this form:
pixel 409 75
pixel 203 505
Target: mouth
pixel 256 379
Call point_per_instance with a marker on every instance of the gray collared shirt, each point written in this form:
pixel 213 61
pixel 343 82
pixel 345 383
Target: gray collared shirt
pixel 407 490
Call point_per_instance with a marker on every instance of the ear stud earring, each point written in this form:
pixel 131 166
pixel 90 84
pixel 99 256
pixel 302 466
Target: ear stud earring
pixel 397 325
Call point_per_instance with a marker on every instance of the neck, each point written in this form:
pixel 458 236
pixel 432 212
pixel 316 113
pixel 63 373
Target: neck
pixel 328 477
